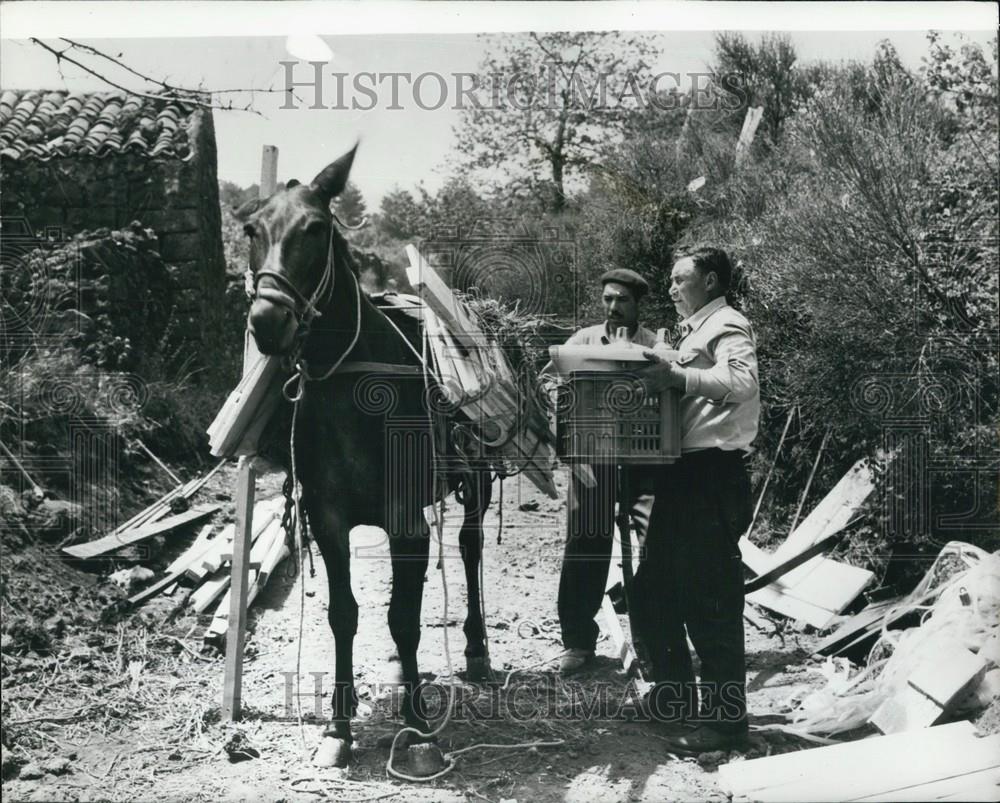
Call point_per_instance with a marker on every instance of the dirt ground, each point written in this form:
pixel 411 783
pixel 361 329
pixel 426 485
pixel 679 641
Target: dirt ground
pixel 144 722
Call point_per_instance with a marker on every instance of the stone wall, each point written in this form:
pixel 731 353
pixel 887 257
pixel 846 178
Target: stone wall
pixel 178 199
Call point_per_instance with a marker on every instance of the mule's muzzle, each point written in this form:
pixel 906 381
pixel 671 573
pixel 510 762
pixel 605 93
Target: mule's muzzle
pixel 273 326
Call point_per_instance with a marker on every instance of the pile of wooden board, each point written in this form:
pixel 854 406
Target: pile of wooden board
pixel 818 590
pixel 205 566
pixel 238 425
pixel 476 376
pixel 151 521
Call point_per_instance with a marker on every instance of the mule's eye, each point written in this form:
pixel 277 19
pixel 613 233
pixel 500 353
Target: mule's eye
pixel 249 230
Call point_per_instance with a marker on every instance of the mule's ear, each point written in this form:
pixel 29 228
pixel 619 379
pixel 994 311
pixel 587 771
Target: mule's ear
pixel 241 213
pixel 332 179
pixel 292 182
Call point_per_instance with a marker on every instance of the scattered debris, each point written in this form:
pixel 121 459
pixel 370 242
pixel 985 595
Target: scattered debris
pixel 960 600
pixel 128 579
pixel 239 747
pixel 819 589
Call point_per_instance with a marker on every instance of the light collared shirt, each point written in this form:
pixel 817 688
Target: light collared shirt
pixel 718 358
pixel 599 335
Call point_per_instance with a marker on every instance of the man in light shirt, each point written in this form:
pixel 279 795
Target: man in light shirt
pixel 591 511
pixel 690 579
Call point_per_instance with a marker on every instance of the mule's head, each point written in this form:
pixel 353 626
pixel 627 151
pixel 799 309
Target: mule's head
pixel 291 259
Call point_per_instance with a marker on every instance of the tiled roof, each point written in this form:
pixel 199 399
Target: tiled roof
pixel 39 124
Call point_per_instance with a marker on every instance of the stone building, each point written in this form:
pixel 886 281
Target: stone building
pixel 73 162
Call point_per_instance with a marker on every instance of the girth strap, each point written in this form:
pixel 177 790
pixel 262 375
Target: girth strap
pixel 361 367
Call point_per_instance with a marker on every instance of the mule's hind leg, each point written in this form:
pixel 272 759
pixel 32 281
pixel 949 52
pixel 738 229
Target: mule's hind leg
pixel 332 536
pixel 476 500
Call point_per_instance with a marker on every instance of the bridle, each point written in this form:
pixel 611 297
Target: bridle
pixel 289 296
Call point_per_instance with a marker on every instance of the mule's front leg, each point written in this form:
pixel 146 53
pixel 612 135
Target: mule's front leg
pixel 476 500
pixel 332 536
pixel 409 547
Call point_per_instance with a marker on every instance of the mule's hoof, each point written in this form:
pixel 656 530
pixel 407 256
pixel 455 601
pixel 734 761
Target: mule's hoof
pixel 477 669
pixel 333 752
pixel 425 759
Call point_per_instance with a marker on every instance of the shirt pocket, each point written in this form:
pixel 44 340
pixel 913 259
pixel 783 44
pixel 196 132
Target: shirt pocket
pixel 687 358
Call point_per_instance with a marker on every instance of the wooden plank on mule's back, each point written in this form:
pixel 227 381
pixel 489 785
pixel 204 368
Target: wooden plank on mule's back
pixel 440 298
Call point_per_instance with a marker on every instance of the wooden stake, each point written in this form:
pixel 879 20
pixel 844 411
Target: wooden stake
pixel 159 462
pixel 805 493
pixel 233 686
pixel 232 693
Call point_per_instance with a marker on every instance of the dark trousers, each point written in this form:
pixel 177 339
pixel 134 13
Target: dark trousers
pixel 589 538
pixel 690 584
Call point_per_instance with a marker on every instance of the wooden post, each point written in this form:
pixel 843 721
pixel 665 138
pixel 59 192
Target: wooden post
pixel 750 123
pixel 233 686
pixel 268 171
pixel 233 681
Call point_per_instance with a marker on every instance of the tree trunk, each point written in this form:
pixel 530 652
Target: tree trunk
pixel 558 195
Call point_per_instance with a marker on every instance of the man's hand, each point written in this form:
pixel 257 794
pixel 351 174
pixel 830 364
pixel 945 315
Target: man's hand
pixel 662 375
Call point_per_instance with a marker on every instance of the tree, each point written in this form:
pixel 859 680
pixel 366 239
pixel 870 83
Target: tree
pixel 400 216
pixel 766 73
pixel 556 101
pixel 350 205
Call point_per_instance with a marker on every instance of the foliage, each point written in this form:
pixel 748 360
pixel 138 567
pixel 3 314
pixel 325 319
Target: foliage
pixel 766 76
pixel 873 261
pixel 350 206
pixel 567 98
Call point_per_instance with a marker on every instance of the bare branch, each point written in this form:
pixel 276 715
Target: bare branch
pixel 193 97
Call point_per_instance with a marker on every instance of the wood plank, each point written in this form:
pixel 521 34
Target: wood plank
pixel 793 608
pixel 264 535
pixel 871 767
pixel 201 542
pixel 256 395
pixel 440 298
pixel 170 579
pixel 278 552
pixel 944 674
pixel 209 591
pixel 950 673
pixel 830 584
pixel 111 543
pixel 218 629
pixel 858 625
pixel 908 709
pixel 264 513
pixel 973 786
pixel 833 512
pixel 232 692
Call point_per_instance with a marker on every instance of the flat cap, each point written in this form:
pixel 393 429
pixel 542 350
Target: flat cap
pixel 629 278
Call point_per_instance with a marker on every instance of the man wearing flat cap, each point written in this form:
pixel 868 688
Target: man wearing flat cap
pixel 591 511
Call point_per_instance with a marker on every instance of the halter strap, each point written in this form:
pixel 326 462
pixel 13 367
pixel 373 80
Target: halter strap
pixel 288 295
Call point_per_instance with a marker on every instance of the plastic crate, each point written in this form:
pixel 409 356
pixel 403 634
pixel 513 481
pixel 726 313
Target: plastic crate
pixel 606 417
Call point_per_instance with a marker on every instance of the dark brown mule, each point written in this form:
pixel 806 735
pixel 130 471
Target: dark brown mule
pixel 358 437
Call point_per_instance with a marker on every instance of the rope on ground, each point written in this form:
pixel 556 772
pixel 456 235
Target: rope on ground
pixel 449 758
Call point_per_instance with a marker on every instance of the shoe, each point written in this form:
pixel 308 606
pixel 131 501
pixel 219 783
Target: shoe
pixel 574 660
pixel 651 709
pixel 704 739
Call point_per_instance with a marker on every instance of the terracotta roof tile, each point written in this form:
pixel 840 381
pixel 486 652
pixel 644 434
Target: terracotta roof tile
pixel 39 124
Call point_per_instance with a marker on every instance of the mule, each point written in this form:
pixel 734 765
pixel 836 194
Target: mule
pixel 361 440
